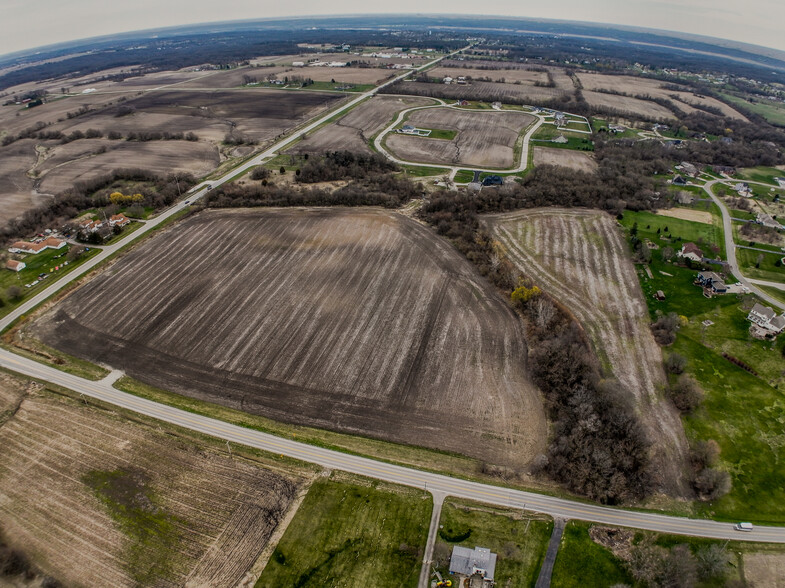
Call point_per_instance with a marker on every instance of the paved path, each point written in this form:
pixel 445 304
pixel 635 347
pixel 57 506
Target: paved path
pixel 433 530
pixel 363 466
pixel 546 571
pixel 730 247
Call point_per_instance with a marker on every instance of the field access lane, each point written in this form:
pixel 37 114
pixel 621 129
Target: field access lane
pixel 431 482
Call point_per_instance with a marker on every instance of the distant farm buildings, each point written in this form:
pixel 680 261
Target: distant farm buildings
pixel 410 130
pixel 15 266
pixel 37 247
pixel 479 563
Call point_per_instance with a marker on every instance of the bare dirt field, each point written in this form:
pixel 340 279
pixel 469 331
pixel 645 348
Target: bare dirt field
pixel 698 216
pixel 82 160
pixel 764 570
pixel 16 188
pixel 97 500
pixel 353 131
pixel 512 71
pixel 487 91
pixel 361 321
pixel 580 258
pixel 579 160
pixel 631 106
pixel 485 138
pixel 351 75
pixel 684 99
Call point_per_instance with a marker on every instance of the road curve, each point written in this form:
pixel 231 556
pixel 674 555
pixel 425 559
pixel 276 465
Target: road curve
pixel 437 483
pixel 730 248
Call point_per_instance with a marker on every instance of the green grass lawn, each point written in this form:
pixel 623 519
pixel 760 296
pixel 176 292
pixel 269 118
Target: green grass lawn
pixel 41 263
pixel 464 176
pixel 581 562
pixel 518 542
pixel 766 268
pixel 421 171
pixel 760 174
pixel 352 532
pixel 775 292
pixel 443 134
pixel 774 112
pixel 546 133
pixel 680 231
pixel 742 412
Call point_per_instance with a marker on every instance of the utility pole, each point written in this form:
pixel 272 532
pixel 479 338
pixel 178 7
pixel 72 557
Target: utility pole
pixel 229 448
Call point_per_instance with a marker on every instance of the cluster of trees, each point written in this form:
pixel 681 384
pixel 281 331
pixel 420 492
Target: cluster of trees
pixel 678 567
pixel 157 191
pixel 14 562
pixel 598 448
pixel 35 132
pixel 338 165
pixel 378 190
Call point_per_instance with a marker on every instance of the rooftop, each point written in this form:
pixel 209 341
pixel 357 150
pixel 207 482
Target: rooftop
pixel 468 562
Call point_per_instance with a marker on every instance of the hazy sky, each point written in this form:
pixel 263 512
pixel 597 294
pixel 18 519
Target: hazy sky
pixel 25 24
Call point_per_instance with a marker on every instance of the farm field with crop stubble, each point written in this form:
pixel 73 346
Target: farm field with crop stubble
pixel 578 160
pixel 352 131
pixel 358 321
pixel 484 139
pixel 684 99
pixel 581 258
pixel 628 105
pixel 98 500
pixel 485 91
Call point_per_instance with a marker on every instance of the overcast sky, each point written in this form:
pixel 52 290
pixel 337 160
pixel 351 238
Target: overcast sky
pixel 25 24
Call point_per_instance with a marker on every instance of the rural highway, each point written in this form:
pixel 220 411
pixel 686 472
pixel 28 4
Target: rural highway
pixel 730 249
pixel 435 483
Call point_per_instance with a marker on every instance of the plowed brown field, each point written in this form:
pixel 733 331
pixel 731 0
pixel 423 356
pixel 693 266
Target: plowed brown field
pixel 360 321
pixel 353 131
pixel 580 257
pixel 225 510
pixel 485 138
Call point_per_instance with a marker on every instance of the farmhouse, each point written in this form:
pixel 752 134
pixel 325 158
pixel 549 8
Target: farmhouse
pixel 411 130
pixel 765 318
pixel 90 226
pixel 119 220
pixel 37 247
pixel 474 562
pixel 691 251
pixel 712 281
pixel 14 266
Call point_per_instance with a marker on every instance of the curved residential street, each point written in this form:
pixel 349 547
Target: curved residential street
pixel 730 249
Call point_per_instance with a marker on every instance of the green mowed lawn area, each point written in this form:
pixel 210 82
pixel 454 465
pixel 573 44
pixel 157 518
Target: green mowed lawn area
pixel 760 174
pixel 581 562
pixel 40 263
pixel 674 232
pixel 742 412
pixel 352 532
pixel 547 132
pixel 775 292
pixel 761 265
pixel 745 416
pixel 518 541
pixel 464 176
pixel 774 112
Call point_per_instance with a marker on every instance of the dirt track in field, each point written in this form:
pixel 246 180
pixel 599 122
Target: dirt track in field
pixel 353 131
pixel 580 258
pixel 484 139
pixel 361 321
pixel 225 509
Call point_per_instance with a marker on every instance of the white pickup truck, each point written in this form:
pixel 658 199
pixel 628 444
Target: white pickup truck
pixel 743 526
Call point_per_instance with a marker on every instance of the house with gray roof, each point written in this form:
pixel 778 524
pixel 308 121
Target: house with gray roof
pixel 765 318
pixel 469 562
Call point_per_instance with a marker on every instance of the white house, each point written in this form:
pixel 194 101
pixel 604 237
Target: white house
pixel 15 266
pixel 37 247
pixel 691 251
pixel 767 319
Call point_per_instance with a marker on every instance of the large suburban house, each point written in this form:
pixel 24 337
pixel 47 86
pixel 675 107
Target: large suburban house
pixel 90 225
pixel 37 247
pixel 767 221
pixel 688 168
pixel 691 251
pixel 15 266
pixel 478 562
pixel 119 220
pixel 712 281
pixel 765 318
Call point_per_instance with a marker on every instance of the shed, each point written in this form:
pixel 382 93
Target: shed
pixel 15 266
